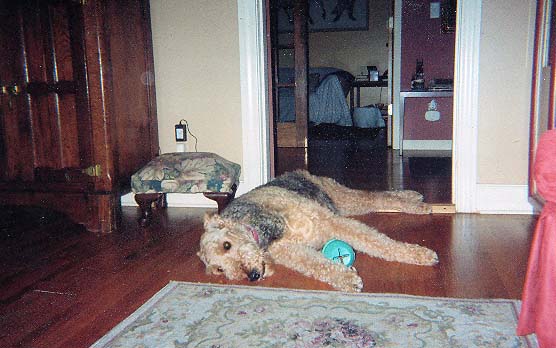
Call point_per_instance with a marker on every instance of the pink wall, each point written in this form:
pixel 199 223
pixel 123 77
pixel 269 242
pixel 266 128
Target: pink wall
pixel 417 128
pixel 423 39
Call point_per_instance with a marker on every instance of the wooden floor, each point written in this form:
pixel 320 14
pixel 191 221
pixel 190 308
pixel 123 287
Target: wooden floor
pixel 359 158
pixel 61 286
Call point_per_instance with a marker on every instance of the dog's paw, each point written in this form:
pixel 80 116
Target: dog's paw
pixel 410 195
pixel 349 281
pixel 425 256
pixel 418 208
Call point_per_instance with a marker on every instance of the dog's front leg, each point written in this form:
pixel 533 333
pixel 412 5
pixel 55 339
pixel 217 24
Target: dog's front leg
pixel 373 243
pixel 312 263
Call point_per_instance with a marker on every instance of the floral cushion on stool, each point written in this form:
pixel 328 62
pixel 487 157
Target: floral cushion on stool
pixel 186 172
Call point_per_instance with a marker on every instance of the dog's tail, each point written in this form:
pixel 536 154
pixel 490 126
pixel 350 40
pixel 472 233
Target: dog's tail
pixel 349 201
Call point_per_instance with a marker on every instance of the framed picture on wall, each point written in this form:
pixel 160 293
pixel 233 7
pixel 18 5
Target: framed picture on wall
pixel 325 15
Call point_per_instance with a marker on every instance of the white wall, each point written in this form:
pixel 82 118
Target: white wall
pixel 196 57
pixel 504 100
pixel 196 48
pixel 505 91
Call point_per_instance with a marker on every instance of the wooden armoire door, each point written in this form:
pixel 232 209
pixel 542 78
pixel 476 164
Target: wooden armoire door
pixel 45 126
pixel 77 104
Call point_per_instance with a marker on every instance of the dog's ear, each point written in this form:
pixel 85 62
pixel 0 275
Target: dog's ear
pixel 213 221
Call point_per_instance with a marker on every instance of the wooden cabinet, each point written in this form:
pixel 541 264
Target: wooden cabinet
pixel 77 107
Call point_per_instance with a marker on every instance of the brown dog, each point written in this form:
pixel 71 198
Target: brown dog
pixel 287 222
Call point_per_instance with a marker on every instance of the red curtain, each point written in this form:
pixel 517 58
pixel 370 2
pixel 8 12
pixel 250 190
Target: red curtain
pixel 538 310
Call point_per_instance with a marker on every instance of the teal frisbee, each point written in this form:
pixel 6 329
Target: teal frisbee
pixel 339 251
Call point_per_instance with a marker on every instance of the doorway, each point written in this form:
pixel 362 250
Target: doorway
pixel 363 157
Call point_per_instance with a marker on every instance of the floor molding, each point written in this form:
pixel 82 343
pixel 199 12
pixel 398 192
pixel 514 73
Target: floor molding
pixel 444 145
pixel 492 199
pixel 183 200
pixel 443 208
pixel 503 199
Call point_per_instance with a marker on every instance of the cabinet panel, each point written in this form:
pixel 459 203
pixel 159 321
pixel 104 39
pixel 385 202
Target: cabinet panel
pixel 15 127
pixel 77 94
pixel 132 75
pixel 44 46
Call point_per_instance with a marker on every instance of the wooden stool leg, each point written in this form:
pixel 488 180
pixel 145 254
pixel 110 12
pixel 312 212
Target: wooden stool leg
pixel 145 202
pixel 222 199
pixel 161 202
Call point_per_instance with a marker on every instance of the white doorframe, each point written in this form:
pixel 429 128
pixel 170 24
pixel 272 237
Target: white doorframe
pixel 466 105
pixel 254 102
pixel 466 95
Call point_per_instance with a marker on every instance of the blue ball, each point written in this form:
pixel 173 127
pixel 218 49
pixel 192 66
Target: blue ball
pixel 339 251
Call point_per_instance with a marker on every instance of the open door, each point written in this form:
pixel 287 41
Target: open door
pixel 291 134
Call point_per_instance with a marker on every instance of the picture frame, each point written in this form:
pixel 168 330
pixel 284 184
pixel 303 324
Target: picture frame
pixel 326 15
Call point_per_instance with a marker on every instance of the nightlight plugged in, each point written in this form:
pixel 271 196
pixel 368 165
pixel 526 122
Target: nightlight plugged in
pixel 180 133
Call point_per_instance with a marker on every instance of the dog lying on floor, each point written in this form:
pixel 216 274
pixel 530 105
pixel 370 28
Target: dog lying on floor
pixel 288 220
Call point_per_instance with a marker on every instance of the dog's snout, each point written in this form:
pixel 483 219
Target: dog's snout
pixel 254 275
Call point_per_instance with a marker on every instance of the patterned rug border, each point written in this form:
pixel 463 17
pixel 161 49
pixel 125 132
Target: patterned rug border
pixel 166 290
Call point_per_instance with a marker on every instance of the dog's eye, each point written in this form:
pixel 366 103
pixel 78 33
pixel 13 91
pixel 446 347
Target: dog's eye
pixel 227 245
pixel 220 270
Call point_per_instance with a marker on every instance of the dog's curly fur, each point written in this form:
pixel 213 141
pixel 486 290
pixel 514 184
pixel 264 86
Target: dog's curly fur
pixel 288 220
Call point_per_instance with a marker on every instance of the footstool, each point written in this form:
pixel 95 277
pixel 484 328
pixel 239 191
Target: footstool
pixel 184 172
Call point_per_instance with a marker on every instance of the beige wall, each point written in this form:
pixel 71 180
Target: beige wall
pixel 196 53
pixel 504 92
pixel 351 50
pixel 197 78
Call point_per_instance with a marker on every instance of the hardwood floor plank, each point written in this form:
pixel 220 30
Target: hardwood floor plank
pixel 82 285
pixel 63 287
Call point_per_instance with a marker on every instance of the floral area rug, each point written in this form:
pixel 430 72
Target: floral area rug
pixel 206 315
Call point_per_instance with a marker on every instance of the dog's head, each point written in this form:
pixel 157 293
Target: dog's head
pixel 229 249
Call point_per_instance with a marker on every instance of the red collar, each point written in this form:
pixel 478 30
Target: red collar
pixel 254 232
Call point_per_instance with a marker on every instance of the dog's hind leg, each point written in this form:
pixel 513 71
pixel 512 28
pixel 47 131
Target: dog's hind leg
pixel 368 240
pixel 312 263
pixel 357 202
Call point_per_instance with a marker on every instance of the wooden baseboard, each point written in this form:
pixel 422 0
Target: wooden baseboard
pixel 98 212
pixel 443 208
pixel 436 209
